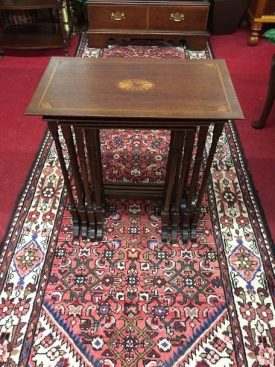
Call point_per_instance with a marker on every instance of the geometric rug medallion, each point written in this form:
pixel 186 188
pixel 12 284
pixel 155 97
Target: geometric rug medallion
pixel 131 300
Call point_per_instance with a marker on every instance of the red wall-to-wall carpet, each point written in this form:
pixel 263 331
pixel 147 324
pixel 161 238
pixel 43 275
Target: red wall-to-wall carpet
pixel 20 135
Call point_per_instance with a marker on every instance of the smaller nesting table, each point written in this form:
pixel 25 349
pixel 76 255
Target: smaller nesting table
pixel 78 97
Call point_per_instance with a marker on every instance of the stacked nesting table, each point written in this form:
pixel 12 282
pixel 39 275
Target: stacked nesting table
pixel 81 96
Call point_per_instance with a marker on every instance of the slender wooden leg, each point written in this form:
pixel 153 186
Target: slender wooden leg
pixel 170 155
pixel 165 216
pixel 68 137
pixel 99 166
pixel 196 211
pixel 269 98
pixel 183 181
pixel 100 179
pixel 173 214
pixel 179 149
pixel 170 181
pixel 191 197
pixel 190 147
pixel 92 150
pixel 53 127
pixel 88 193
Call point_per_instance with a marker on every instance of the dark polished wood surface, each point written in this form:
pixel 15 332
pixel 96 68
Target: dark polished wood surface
pixel 136 88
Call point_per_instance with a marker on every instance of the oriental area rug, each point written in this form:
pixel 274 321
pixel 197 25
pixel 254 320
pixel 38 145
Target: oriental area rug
pixel 131 300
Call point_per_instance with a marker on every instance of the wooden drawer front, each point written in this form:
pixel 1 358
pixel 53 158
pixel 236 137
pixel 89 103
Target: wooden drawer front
pixel 189 18
pixel 117 16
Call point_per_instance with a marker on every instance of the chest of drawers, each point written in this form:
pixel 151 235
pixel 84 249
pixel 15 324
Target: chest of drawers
pixel 129 19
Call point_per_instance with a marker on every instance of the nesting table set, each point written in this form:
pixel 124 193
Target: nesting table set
pixel 81 96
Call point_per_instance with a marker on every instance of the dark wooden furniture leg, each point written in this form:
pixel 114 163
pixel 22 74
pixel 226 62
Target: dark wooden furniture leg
pixel 86 183
pixel 196 210
pixel 170 183
pixel 165 220
pixel 67 133
pixel 91 137
pixel 269 98
pixel 182 182
pixel 98 155
pixel 191 196
pixel 178 154
pixel 53 127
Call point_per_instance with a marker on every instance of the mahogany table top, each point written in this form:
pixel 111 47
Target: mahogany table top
pixel 136 89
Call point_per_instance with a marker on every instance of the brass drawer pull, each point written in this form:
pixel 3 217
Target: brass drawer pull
pixel 177 17
pixel 118 16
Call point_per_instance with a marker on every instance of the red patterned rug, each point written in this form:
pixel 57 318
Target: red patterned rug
pixel 131 300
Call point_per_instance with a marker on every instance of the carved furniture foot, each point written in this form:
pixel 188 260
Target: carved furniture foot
pixel 254 36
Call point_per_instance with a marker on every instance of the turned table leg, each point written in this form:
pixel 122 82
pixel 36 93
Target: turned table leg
pixel 269 98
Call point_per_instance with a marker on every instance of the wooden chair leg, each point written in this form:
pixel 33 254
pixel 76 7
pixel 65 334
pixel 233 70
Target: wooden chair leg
pixel 269 98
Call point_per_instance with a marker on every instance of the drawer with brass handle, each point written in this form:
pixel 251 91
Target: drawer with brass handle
pixel 123 17
pixel 118 16
pixel 178 17
pixel 177 21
